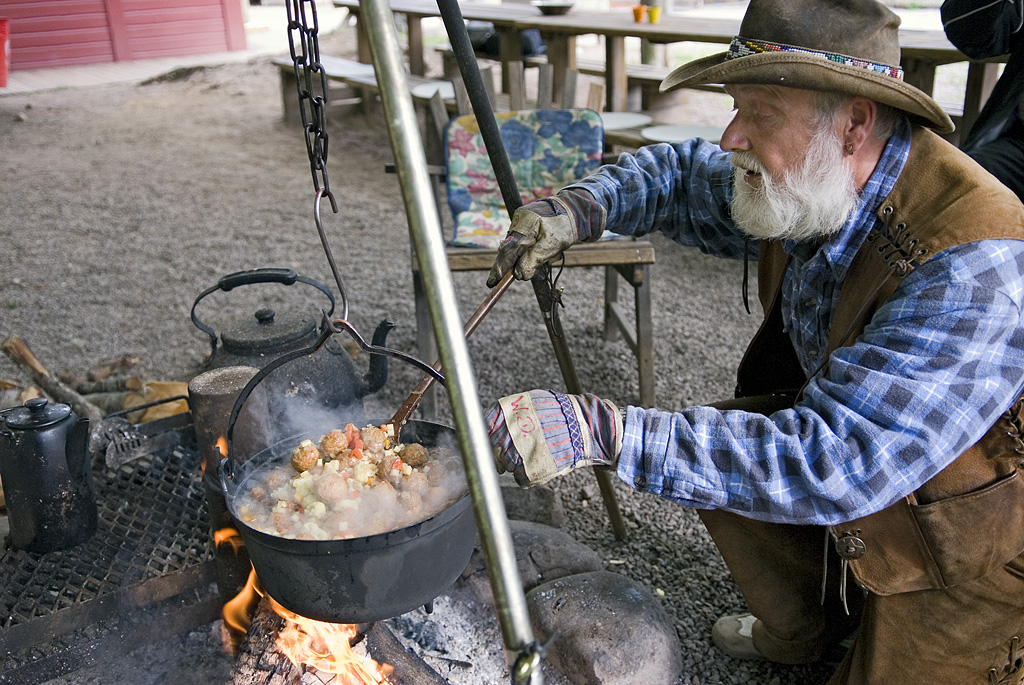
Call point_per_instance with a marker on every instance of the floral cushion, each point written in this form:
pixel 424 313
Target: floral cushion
pixel 547 149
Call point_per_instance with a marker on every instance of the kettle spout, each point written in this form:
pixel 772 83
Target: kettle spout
pixel 377 375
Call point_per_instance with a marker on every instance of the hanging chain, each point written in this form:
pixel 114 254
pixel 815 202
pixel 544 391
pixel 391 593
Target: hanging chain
pixel 305 52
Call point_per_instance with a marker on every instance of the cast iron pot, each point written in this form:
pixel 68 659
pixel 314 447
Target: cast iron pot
pixel 359 580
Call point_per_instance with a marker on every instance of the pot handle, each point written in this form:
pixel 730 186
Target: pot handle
pixel 282 275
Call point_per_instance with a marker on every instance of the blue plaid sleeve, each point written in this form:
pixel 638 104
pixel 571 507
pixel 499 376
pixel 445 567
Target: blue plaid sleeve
pixel 937 365
pixel 681 189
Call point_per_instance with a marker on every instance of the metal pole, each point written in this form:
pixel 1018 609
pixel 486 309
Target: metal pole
pixel 425 228
pixel 451 15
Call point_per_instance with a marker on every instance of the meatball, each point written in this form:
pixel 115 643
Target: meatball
pixel 278 477
pixel 305 456
pixel 258 492
pixel 334 442
pixel 414 454
pixel 435 474
pixel 374 439
pixel 331 488
pixel 412 501
pixel 415 482
pixel 343 458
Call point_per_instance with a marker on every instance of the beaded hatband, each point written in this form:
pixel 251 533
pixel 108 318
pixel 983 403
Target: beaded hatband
pixel 742 47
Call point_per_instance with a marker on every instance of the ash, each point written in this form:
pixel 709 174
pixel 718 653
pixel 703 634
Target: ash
pixel 461 640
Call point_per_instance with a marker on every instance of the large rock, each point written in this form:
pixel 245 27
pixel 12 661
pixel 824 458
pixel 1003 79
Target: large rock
pixel 543 553
pixel 610 630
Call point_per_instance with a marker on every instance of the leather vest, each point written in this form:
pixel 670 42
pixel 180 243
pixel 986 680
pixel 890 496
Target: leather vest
pixel 969 518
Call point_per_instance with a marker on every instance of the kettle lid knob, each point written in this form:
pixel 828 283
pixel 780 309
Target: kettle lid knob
pixel 38 412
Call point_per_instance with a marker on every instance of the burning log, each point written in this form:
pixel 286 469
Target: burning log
pixel 15 348
pixel 277 638
pixel 259 660
pixel 410 669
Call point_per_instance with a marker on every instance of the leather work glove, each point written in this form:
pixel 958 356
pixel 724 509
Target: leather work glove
pixel 543 229
pixel 540 434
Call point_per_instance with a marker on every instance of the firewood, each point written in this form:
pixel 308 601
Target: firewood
pixel 106 371
pixel 15 348
pixel 107 401
pixel 14 395
pixel 259 661
pixel 157 391
pixel 113 384
pixel 410 669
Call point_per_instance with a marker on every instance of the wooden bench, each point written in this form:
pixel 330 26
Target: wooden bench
pixel 356 83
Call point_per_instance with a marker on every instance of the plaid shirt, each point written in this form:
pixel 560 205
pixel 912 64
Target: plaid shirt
pixel 935 368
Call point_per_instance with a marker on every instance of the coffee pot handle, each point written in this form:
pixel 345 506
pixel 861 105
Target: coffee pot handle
pixel 77 453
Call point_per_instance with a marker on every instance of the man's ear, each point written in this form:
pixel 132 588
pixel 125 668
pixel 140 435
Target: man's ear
pixel 857 128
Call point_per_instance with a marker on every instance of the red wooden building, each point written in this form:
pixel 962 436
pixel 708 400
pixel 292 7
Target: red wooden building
pixel 51 33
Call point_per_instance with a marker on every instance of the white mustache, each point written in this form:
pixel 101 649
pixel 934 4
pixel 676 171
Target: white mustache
pixel 747 161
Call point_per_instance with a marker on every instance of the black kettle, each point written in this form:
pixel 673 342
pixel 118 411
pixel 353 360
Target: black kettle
pixel 325 379
pixel 47 477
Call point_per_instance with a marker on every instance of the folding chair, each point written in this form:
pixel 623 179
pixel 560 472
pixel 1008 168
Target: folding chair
pixel 548 149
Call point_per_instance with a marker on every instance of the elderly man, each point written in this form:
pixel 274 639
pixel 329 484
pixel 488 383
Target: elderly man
pixel 866 475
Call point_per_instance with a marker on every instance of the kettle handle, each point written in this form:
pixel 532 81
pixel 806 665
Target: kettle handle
pixel 282 275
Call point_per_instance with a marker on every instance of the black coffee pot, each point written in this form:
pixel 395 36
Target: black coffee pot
pixel 47 477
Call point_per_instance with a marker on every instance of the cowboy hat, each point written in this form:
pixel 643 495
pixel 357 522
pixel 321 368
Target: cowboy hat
pixel 849 46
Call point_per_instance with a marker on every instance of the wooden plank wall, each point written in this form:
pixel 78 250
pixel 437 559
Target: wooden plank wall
pixel 48 33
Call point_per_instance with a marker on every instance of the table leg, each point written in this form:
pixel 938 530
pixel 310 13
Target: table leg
pixel 616 84
pixel 981 78
pixel 919 73
pixel 510 49
pixel 561 56
pixel 417 66
pixel 363 53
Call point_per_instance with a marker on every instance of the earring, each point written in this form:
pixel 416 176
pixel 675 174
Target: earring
pixel 849 148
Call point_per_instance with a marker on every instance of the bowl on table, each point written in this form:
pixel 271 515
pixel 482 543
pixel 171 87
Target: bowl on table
pixel 553 7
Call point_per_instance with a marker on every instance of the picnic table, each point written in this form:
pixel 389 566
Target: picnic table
pixel 923 51
pixel 504 16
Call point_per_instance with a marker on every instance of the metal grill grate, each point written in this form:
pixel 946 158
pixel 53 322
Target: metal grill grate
pixel 152 546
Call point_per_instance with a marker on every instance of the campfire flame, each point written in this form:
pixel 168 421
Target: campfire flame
pixel 221 448
pixel 327 648
pixel 239 610
pixel 231 537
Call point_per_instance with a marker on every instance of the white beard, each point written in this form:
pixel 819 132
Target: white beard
pixel 813 201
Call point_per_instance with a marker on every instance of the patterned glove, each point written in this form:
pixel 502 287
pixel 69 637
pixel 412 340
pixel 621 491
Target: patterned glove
pixel 542 229
pixel 540 434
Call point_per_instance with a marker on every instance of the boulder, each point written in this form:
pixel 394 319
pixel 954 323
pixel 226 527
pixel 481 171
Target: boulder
pixel 610 629
pixel 543 553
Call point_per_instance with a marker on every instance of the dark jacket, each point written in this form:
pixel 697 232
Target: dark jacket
pixel 982 29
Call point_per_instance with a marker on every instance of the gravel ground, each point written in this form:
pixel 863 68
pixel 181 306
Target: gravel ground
pixel 122 203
